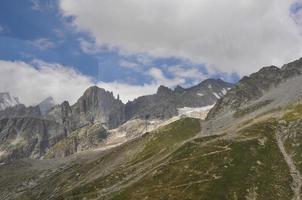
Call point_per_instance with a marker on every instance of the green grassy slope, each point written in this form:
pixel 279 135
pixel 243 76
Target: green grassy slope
pixel 172 164
pixel 219 168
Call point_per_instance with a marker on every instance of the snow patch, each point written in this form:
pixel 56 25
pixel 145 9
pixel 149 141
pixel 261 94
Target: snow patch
pixel 137 127
pixel 224 91
pixel 200 94
pixel 7 101
pixel 200 112
pixel 216 95
pixel 210 86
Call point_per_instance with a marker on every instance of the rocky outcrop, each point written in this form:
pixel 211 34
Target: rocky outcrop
pixel 165 102
pixel 82 139
pixel 20 110
pixel 6 100
pixel 253 87
pixel 27 137
pixel 99 105
pixel 46 105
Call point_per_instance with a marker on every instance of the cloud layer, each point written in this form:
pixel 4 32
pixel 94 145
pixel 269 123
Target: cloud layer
pixel 35 81
pixel 229 36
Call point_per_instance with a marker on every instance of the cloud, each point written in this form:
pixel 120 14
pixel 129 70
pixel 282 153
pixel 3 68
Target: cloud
pixel 1 29
pixel 127 91
pixel 191 73
pixel 43 43
pixel 129 65
pixel 35 81
pixel 89 47
pixel 229 36
pixel 41 6
pixel 160 79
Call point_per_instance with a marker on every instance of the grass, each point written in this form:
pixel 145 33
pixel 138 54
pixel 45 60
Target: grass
pixel 219 169
pixel 145 154
pixel 166 164
pixel 295 113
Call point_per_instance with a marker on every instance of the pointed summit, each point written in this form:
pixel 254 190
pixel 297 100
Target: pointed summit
pixel 179 89
pixel 6 100
pixel 163 90
pixel 46 105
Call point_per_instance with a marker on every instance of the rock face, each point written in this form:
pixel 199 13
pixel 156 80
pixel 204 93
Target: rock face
pixel 98 105
pixel 21 110
pixel 46 105
pixel 82 139
pixel 255 86
pixel 165 102
pixel 6 100
pixel 27 137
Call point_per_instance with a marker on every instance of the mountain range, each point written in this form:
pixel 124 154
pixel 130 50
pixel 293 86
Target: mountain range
pixel 33 131
pixel 248 147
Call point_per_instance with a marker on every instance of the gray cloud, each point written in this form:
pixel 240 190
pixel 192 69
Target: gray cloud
pixel 229 36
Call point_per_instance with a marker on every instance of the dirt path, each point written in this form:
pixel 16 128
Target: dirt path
pixel 295 173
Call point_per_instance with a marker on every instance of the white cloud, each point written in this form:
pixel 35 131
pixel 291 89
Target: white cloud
pixel 127 91
pixel 43 43
pixel 129 65
pixel 89 47
pixel 42 5
pixel 161 79
pixel 229 35
pixel 1 29
pixel 35 81
pixel 191 73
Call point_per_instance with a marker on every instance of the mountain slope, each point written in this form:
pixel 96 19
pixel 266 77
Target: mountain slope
pixel 177 162
pixel 165 102
pixel 6 100
pixel 248 151
pixel 255 86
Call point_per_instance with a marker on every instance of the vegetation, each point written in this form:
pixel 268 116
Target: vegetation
pixel 219 168
pixel 171 163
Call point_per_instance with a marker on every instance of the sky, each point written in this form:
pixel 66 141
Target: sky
pixel 59 48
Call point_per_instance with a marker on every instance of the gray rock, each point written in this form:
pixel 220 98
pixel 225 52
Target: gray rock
pixel 99 105
pixel 6 100
pixel 46 105
pixel 251 88
pixel 165 102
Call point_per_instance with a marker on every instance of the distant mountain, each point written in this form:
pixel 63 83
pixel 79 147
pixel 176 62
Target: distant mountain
pixel 99 105
pixel 248 148
pixel 39 128
pixel 46 105
pixel 253 87
pixel 165 102
pixel 6 100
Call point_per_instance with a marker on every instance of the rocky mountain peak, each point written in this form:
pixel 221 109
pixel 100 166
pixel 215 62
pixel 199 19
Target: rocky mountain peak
pixel 97 104
pixel 46 105
pixel 295 65
pixel 6 100
pixel 163 90
pixel 178 88
pixel 253 87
